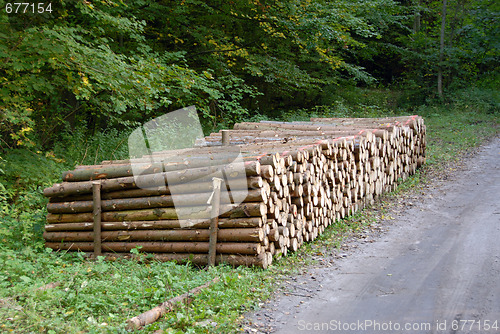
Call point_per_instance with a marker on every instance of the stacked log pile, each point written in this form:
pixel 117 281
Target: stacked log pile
pixel 299 178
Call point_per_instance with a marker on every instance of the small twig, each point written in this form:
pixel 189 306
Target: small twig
pixel 214 51
pixel 117 146
pixel 385 293
pixel 48 286
pixel 297 294
pixel 6 143
pixel 299 287
pixel 9 303
pixel 96 153
pixel 86 149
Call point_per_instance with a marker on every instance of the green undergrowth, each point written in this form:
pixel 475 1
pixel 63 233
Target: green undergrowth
pixel 98 296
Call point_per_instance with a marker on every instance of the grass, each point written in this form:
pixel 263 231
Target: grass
pixel 452 133
pixel 98 296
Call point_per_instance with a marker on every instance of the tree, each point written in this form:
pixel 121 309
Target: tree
pixel 441 50
pixel 84 63
pixel 457 42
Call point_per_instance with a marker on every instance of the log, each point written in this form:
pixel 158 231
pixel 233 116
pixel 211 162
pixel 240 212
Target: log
pixel 174 157
pixel 281 133
pixel 253 195
pixel 277 125
pixel 184 248
pixel 305 144
pixel 363 122
pixel 218 154
pixel 251 168
pixel 152 165
pixel 110 172
pixel 195 212
pixel 289 136
pixel 228 234
pixel 156 313
pixel 159 224
pixel 319 127
pixel 252 182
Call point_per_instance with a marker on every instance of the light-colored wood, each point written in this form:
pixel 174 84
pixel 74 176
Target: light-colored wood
pixel 96 188
pixel 156 313
pixel 214 222
pixel 309 175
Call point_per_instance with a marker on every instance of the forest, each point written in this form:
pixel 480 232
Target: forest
pixel 78 76
pixel 100 65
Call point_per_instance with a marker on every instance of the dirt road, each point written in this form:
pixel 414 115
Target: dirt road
pixel 436 269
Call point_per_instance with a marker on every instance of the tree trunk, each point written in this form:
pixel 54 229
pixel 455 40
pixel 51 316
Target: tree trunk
pixel 441 51
pixel 417 19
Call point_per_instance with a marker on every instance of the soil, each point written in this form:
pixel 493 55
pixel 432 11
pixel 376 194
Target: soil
pixel 432 265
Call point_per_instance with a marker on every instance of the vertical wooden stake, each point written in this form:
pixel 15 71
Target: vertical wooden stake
pixel 225 137
pixel 214 222
pixel 96 192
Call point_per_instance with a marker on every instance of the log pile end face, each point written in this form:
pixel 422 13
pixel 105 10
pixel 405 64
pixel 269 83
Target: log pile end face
pixel 298 178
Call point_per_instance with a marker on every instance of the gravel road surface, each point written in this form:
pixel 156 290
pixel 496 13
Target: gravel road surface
pixel 435 270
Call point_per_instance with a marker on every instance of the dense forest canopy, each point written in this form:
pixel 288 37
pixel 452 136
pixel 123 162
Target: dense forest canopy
pixel 110 63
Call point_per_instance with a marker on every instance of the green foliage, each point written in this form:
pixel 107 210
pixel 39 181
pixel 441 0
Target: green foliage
pixel 23 176
pixel 99 296
pixel 468 119
pixel 78 148
pixel 471 49
pixel 477 100
pixel 74 84
pixel 73 67
pixel 114 64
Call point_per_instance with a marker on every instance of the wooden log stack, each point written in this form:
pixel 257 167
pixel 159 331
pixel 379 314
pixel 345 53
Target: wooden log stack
pixel 299 178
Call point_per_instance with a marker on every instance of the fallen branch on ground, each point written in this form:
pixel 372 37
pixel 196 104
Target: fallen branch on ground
pixel 154 314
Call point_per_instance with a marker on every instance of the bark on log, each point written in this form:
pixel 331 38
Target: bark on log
pixel 159 224
pixel 185 248
pixel 325 179
pixel 251 168
pixel 252 182
pixel 164 201
pixel 137 166
pixel 195 212
pixel 156 313
pixel 155 164
pixel 224 235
